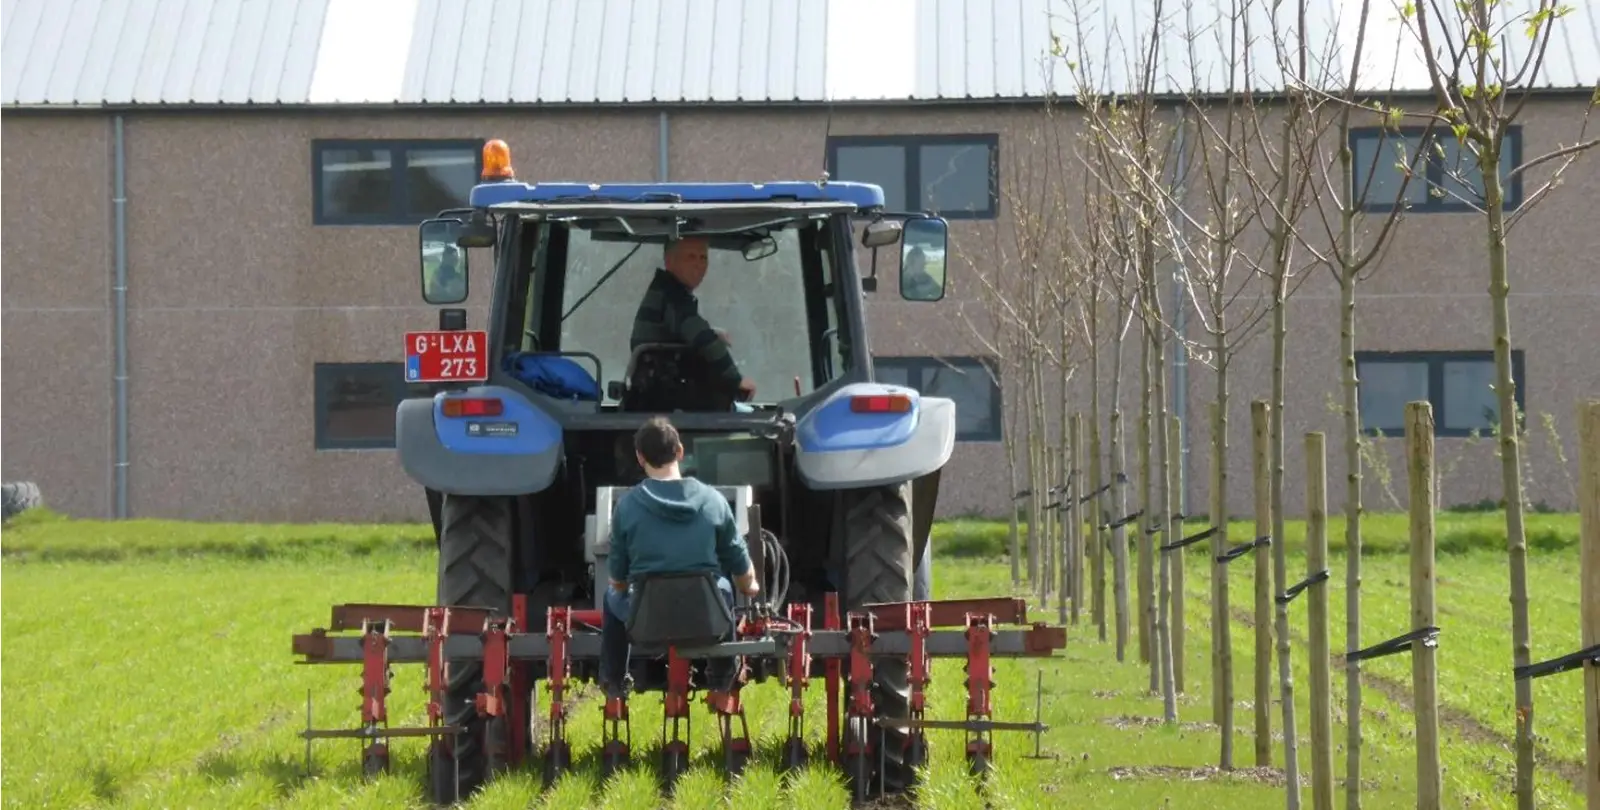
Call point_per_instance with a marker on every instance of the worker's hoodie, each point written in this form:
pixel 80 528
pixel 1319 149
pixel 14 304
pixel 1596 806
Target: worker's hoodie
pixel 675 526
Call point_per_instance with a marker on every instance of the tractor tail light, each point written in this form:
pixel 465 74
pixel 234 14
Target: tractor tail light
pixel 473 407
pixel 497 161
pixel 881 403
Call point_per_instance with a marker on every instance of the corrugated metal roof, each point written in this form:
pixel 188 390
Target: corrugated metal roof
pixel 210 52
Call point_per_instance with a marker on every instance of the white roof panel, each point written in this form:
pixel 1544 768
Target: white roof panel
pixel 226 52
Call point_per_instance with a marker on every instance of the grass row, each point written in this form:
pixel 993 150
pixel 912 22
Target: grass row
pixel 41 535
pixel 207 703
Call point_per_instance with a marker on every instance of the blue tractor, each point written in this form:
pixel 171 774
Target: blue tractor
pixel 526 440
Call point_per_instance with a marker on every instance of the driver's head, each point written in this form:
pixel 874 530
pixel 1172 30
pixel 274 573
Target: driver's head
pixel 686 260
pixel 916 261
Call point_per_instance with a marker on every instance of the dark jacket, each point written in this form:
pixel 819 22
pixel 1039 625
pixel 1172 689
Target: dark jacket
pixel 675 527
pixel 670 313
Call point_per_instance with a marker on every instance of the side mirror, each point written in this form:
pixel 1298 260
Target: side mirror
pixel 922 259
pixel 443 262
pixel 880 233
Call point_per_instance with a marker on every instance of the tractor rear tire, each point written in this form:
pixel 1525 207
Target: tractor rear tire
pixel 474 571
pixel 879 568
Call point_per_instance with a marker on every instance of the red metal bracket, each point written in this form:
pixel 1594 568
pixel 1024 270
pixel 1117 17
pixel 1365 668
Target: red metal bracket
pixel 521 681
pixel 558 631
pixel 951 612
pixel 980 680
pixel 833 673
pixel 435 629
pixel 375 690
pixel 918 625
pixel 797 676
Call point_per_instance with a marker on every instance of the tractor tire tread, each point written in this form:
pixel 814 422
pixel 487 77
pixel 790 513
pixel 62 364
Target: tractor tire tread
pixel 878 553
pixel 474 571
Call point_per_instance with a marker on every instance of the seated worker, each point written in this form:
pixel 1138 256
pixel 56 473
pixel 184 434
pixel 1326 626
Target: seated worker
pixel 919 284
pixel 668 524
pixel 669 313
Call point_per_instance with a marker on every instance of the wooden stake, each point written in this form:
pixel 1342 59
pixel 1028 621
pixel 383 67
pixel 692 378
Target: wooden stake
pixel 1173 535
pixel 1259 434
pixel 1221 621
pixel 1589 590
pixel 1089 514
pixel 1317 595
pixel 1424 664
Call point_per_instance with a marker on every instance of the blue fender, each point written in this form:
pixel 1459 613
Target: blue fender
pixel 838 448
pixel 515 452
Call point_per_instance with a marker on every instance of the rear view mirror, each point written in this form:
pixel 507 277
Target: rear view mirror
pixel 880 233
pixel 922 259
pixel 759 249
pixel 444 263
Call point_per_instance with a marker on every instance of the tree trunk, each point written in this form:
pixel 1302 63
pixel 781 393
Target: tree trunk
pixel 1221 620
pixel 1174 534
pixel 1352 525
pixel 1280 334
pixel 1088 513
pixel 1141 539
pixel 1510 468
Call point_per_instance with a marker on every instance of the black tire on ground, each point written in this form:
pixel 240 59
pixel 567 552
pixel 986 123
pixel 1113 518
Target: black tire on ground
pixel 878 556
pixel 18 497
pixel 922 585
pixel 474 571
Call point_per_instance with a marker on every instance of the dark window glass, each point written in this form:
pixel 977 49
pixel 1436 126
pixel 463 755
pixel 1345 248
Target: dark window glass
pixel 357 183
pixel 1459 385
pixel 355 404
pixel 1447 174
pixel 972 382
pixel 391 182
pixel 950 175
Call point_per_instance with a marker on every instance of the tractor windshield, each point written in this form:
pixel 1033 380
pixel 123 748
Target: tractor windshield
pixel 759 289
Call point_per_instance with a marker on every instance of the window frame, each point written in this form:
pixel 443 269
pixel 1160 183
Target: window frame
pixel 323 375
pixel 400 148
pixel 915 365
pixel 1433 170
pixel 1435 361
pixel 912 146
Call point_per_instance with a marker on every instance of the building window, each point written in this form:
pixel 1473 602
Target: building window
pixel 974 384
pixel 1458 384
pixel 954 176
pixel 391 182
pixel 1448 178
pixel 355 404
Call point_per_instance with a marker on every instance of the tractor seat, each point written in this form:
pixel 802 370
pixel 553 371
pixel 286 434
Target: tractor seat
pixel 678 610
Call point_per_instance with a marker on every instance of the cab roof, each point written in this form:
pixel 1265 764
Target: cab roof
pixel 861 195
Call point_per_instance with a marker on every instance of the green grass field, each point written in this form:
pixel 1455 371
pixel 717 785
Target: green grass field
pixel 150 667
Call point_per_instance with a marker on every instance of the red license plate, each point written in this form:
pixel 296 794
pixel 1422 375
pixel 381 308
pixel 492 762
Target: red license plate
pixel 447 357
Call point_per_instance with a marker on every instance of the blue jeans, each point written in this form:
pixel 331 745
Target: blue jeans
pixel 614 646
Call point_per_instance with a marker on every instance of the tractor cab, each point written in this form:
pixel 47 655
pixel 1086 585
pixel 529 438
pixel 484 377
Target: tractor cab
pixel 580 274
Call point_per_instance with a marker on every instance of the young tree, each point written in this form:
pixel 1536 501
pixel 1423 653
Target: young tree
pixel 1483 64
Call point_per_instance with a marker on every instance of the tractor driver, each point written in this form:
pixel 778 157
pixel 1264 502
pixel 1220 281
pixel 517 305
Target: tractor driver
pixel 668 524
pixel 670 313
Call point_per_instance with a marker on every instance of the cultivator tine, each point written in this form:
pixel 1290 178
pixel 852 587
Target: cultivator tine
pixel 558 754
pixel 797 676
pixel 492 702
pixel 617 748
pixel 1038 719
pixel 918 621
pixel 374 694
pixel 858 740
pixel 980 680
pixel 735 746
pixel 675 721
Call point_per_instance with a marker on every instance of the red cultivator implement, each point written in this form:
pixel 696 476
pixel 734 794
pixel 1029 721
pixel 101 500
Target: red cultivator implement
pixel 789 647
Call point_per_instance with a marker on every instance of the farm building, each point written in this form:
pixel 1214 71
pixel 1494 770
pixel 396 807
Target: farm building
pixel 210 211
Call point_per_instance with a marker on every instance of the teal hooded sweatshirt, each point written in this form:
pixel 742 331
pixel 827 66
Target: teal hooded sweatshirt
pixel 676 526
